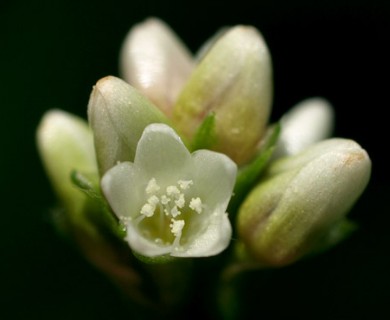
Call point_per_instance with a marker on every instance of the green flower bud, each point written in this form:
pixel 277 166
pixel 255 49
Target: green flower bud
pixel 156 62
pixel 118 114
pixel 301 200
pixel 65 144
pixel 233 80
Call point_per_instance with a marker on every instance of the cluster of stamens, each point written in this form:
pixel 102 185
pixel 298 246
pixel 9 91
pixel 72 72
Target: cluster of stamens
pixel 170 202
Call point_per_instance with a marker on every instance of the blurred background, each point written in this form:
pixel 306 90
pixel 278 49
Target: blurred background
pixel 53 52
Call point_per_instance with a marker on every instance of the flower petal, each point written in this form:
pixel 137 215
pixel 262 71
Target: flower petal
pixel 143 245
pixel 214 176
pixel 161 153
pixel 120 186
pixel 211 241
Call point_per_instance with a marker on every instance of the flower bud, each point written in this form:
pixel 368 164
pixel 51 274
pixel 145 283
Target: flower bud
pixel 118 114
pixel 233 80
pixel 306 123
pixel 301 199
pixel 156 62
pixel 65 144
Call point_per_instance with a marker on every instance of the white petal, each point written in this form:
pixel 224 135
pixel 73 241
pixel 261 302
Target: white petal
pixel 121 187
pixel 143 245
pixel 161 154
pixel 214 175
pixel 211 241
pixel 156 62
pixel 305 124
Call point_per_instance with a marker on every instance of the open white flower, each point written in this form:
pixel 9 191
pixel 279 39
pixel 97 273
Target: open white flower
pixel 171 201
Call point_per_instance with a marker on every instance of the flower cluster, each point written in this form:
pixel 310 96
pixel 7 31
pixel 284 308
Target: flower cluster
pixel 179 154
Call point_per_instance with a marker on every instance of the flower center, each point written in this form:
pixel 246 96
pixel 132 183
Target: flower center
pixel 166 211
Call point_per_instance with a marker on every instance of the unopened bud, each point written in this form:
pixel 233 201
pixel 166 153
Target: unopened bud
pixel 302 199
pixel 306 123
pixel 118 114
pixel 156 62
pixel 65 144
pixel 233 80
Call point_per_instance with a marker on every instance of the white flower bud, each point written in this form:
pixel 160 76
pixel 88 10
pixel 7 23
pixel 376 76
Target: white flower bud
pixel 118 114
pixel 302 199
pixel 65 144
pixel 156 62
pixel 306 123
pixel 233 80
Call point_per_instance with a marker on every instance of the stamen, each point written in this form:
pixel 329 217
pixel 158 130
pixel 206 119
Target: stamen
pixel 164 200
pixel 181 201
pixel 169 204
pixel 175 212
pixel 173 191
pixel 148 210
pixel 153 200
pixel 185 184
pixel 196 205
pixel 176 227
pixel 152 186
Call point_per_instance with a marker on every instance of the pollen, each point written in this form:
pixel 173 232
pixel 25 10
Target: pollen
pixel 152 186
pixel 185 184
pixel 153 200
pixel 173 191
pixel 148 210
pixel 176 227
pixel 165 200
pixel 180 202
pixel 175 212
pixel 171 204
pixel 196 205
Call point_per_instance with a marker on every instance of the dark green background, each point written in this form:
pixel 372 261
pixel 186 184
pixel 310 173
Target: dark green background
pixel 52 52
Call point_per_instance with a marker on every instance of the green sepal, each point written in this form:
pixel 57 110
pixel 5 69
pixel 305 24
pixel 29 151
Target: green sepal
pixel 248 175
pixel 154 260
pixel 205 137
pixel 99 213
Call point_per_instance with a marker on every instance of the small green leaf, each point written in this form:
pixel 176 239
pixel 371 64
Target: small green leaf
pixel 249 174
pixel 86 183
pixel 205 136
pixel 99 212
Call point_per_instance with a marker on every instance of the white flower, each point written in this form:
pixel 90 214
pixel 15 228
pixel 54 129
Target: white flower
pixel 171 201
